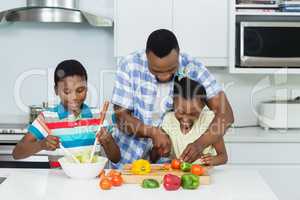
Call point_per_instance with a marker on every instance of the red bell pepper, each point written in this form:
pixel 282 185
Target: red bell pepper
pixel 171 182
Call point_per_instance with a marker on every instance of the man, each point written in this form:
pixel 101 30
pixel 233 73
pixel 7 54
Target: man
pixel 143 92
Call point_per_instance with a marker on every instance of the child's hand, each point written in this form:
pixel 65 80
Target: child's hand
pixel 104 137
pixel 192 152
pixel 207 159
pixel 50 143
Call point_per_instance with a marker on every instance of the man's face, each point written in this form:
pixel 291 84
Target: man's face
pixel 163 68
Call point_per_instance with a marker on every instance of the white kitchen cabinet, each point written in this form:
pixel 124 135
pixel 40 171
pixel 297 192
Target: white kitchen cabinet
pixel 263 153
pixel 202 29
pixel 278 164
pixel 282 179
pixel 136 19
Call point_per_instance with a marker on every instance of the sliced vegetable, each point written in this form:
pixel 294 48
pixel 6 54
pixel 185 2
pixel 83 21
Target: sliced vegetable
pixel 141 167
pixel 167 166
pixel 190 181
pixel 171 182
pixel 150 184
pixel 84 156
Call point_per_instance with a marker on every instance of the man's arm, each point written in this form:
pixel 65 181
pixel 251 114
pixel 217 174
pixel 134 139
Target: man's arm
pixel 133 126
pixel 222 120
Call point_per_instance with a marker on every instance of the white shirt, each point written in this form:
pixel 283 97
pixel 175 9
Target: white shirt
pixel 163 91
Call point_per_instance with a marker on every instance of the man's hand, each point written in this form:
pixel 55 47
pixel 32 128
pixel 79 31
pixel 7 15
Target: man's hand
pixel 50 143
pixel 192 152
pixel 161 141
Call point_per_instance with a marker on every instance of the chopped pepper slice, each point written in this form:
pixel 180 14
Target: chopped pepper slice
pixel 141 167
pixel 185 167
pixel 150 184
pixel 190 181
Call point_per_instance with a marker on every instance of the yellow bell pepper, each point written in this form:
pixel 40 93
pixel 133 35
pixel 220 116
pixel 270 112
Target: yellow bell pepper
pixel 141 167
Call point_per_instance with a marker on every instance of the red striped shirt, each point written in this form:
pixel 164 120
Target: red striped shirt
pixel 73 124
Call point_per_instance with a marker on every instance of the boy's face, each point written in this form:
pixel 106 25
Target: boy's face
pixel 72 92
pixel 187 111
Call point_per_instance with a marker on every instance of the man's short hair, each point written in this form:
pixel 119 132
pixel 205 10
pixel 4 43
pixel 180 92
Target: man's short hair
pixel 161 42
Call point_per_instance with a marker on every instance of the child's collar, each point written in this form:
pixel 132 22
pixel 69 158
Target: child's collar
pixel 64 113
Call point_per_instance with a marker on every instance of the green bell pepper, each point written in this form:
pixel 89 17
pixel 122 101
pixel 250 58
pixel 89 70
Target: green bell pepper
pixel 150 184
pixel 185 167
pixel 190 181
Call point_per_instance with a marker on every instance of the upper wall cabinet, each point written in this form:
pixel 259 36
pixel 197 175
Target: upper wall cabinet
pixel 136 19
pixel 202 29
pixel 201 26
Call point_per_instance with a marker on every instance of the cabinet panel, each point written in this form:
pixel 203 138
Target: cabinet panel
pixel 282 179
pixel 263 153
pixel 136 19
pixel 202 29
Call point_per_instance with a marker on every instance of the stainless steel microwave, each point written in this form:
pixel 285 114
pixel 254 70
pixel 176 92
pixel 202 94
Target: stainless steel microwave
pixel 268 44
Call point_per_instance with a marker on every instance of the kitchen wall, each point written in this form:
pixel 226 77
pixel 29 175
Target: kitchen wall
pixel 30 52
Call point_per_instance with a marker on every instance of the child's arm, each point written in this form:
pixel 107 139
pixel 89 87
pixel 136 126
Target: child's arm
pixel 29 145
pixel 221 157
pixel 109 145
pixel 154 155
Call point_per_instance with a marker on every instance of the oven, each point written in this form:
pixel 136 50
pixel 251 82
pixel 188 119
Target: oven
pixel 10 135
pixel 268 44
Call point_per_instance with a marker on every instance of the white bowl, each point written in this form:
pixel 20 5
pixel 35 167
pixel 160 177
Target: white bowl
pixel 82 170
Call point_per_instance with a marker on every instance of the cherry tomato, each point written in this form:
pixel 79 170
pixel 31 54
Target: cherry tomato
pixel 175 164
pixel 198 170
pixel 116 181
pixel 105 184
pixel 114 173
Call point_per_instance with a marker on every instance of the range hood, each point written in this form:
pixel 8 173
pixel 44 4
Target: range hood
pixel 64 11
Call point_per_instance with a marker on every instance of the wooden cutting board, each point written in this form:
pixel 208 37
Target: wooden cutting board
pixel 158 173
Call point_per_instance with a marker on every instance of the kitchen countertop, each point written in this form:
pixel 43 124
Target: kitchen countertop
pixel 227 184
pixel 260 135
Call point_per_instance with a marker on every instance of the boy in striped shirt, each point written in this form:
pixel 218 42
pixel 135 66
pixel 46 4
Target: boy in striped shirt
pixel 71 123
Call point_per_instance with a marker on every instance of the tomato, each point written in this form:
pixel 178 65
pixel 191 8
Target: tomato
pixel 114 173
pixel 105 184
pixel 116 181
pixel 198 170
pixel 175 164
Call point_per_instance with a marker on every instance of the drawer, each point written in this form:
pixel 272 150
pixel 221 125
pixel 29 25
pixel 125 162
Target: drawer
pixel 263 153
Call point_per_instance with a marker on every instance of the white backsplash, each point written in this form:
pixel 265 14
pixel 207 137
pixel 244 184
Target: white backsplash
pixel 28 48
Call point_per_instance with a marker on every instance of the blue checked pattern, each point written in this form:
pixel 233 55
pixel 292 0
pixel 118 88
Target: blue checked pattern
pixel 136 88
